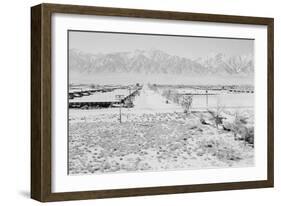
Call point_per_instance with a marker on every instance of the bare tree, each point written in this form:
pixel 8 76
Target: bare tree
pixel 217 116
pixel 167 94
pixel 176 98
pixel 186 103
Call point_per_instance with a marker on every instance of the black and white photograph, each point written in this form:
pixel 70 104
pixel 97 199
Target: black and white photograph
pixel 157 102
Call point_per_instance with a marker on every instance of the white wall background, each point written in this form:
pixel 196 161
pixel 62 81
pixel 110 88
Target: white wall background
pixel 15 102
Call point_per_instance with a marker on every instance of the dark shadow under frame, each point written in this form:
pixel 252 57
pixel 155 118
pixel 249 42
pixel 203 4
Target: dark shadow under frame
pixel 41 102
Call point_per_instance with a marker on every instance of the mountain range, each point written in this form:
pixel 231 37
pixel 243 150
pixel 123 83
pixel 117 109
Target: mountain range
pixel 157 62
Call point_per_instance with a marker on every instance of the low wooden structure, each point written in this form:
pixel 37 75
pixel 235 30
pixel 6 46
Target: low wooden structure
pixel 87 99
pixel 240 91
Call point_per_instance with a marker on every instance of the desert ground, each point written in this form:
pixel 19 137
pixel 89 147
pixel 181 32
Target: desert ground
pixel 157 135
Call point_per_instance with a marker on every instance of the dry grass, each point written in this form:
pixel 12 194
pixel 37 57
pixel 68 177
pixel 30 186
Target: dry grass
pixel 150 142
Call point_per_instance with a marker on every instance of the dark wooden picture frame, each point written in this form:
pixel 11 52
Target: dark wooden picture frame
pixel 41 117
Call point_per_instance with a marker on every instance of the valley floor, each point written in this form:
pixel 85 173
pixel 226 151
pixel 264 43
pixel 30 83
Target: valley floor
pixel 152 136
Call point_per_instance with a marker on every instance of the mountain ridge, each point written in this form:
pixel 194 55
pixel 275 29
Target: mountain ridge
pixel 157 62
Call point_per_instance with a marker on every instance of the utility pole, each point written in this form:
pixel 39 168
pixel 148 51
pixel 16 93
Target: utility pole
pixel 120 98
pixel 207 98
pixel 120 116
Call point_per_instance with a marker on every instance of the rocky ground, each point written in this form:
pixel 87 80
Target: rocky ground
pixel 152 142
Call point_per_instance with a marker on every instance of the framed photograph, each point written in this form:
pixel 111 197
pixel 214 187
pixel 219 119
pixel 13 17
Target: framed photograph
pixel 130 102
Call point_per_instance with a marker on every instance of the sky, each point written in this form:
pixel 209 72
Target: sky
pixel 185 46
